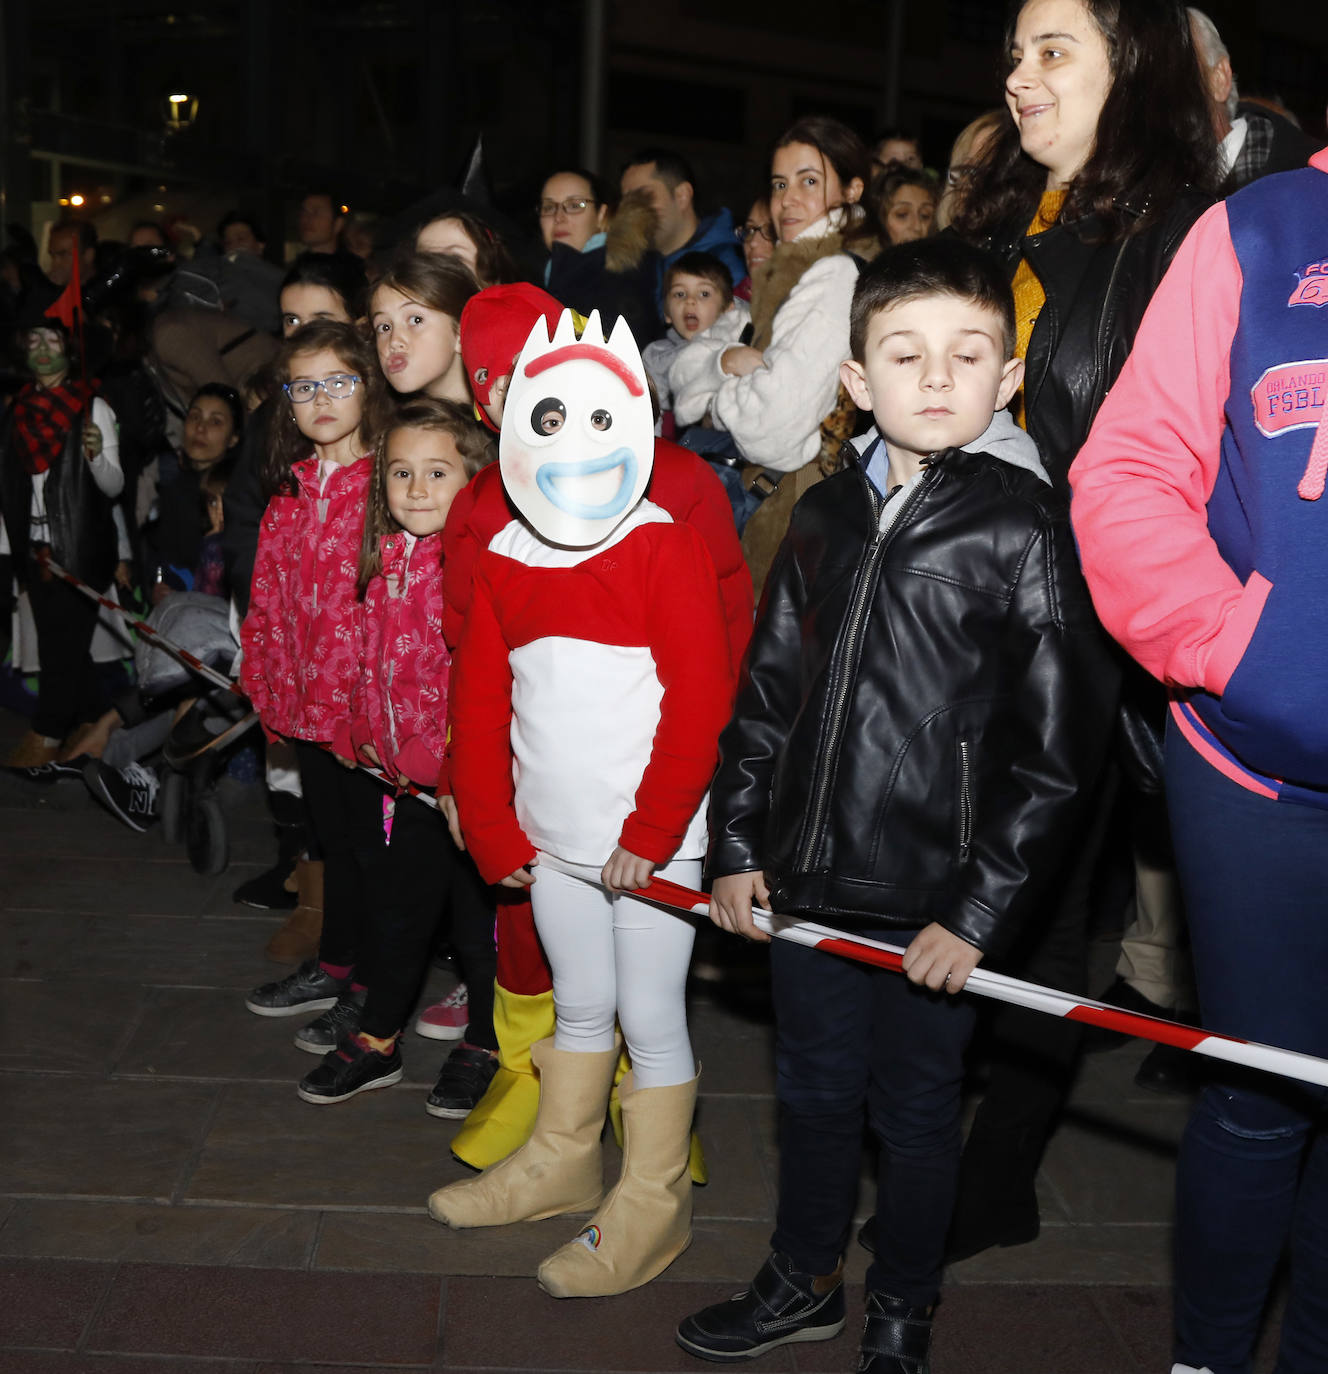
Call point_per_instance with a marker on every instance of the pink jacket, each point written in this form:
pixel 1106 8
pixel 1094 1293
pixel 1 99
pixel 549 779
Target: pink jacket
pixel 400 705
pixel 301 655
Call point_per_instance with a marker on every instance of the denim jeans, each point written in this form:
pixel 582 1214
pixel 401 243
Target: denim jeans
pixel 1253 1168
pixel 857 1044
pixel 714 444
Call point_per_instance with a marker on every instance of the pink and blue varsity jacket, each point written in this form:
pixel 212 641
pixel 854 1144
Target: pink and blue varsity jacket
pixel 1199 500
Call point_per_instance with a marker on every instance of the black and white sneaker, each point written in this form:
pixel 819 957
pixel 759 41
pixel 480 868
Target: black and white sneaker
pixel 350 1069
pixel 782 1306
pixel 339 1022
pixel 308 989
pixel 129 794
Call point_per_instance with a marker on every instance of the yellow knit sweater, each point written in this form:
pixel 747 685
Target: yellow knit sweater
pixel 1029 297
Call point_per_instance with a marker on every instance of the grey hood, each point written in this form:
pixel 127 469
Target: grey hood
pixel 1002 439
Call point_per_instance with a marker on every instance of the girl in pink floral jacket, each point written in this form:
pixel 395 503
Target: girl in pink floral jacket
pixel 398 722
pixel 302 648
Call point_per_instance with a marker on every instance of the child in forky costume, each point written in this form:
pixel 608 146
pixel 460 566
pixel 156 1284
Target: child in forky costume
pixel 591 684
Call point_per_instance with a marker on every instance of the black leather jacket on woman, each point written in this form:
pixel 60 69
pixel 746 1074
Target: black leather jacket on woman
pixel 1097 293
pixel 927 687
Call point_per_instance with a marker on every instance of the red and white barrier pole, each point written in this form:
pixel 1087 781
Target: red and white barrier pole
pixel 997 986
pixel 149 632
pixel 1001 988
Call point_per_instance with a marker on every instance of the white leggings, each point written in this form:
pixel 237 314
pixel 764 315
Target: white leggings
pixel 613 956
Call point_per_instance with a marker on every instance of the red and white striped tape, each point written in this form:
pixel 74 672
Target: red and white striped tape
pixel 997 986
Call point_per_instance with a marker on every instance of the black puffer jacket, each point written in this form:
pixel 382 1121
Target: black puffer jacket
pixel 1097 293
pixel 927 687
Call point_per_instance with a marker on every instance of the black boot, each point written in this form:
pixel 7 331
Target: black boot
pixel 896 1338
pixel 274 890
pixel 996 1202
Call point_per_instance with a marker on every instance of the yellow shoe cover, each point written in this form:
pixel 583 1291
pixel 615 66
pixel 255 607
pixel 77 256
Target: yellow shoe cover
pixel 505 1116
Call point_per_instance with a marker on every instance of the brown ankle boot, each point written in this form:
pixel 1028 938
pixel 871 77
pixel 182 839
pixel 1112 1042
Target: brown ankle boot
pixel 32 751
pixel 297 940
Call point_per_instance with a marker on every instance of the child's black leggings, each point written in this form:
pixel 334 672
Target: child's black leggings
pixel 383 899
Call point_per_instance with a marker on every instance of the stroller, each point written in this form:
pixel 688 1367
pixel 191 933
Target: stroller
pixel 203 736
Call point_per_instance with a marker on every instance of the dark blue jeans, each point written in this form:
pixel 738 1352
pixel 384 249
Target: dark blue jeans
pixel 714 444
pixel 1253 1170
pixel 855 1043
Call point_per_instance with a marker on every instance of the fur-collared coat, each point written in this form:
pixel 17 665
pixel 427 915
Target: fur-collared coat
pixel 617 277
pixel 789 416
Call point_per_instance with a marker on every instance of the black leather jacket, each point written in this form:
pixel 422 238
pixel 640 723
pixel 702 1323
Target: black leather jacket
pixel 926 690
pixel 1097 293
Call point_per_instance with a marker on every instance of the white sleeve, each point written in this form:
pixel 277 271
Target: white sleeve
pixel 106 469
pixel 694 376
pixel 775 413
pixel 123 549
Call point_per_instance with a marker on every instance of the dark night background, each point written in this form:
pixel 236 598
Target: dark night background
pixel 382 100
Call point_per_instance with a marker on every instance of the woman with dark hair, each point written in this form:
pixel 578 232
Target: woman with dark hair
pixel 905 204
pixel 780 397
pixel 600 256
pixel 323 286
pixel 469 238
pixel 1087 192
pixel 1108 159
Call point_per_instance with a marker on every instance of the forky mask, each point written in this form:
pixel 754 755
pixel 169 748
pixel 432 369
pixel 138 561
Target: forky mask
pixel 578 437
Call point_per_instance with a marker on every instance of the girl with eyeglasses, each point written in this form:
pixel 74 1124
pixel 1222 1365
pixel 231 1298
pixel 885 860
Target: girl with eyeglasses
pixel 600 258
pixel 301 663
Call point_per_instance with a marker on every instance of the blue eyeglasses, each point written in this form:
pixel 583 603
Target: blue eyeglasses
pixel 338 388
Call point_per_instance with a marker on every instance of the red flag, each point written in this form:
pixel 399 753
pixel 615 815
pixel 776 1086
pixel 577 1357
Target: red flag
pixel 68 305
pixel 70 301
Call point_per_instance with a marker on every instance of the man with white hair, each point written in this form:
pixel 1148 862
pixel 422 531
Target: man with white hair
pixel 1253 141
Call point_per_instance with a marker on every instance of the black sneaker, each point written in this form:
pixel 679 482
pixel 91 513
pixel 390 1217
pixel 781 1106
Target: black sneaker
pixel 465 1078
pixel 308 989
pixel 896 1338
pixel 781 1307
pixel 268 891
pixel 350 1069
pixel 129 794
pixel 339 1022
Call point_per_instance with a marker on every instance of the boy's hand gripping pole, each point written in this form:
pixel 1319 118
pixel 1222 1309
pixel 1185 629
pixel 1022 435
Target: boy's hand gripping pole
pixel 999 987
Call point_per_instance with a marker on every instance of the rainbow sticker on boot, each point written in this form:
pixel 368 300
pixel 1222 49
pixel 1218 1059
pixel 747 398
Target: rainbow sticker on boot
pixel 590 1237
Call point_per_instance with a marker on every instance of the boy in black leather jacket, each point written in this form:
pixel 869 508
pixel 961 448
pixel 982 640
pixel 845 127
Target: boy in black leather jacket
pixel 926 687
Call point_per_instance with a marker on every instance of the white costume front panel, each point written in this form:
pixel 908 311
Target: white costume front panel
pixel 584 718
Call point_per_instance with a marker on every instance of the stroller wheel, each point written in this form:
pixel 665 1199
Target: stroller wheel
pixel 205 836
pixel 172 800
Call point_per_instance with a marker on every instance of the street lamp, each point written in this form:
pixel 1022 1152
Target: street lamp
pixel 180 110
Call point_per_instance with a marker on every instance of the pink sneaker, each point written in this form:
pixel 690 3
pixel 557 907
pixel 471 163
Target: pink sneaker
pixel 445 1020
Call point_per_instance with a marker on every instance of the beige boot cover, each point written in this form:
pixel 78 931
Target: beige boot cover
pixel 646 1222
pixel 560 1168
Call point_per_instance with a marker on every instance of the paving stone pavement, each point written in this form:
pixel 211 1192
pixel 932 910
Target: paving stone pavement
pixel 168 1203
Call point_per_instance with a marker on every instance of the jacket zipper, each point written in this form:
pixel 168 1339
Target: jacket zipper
pixel 965 802
pixel 1099 382
pixel 888 515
